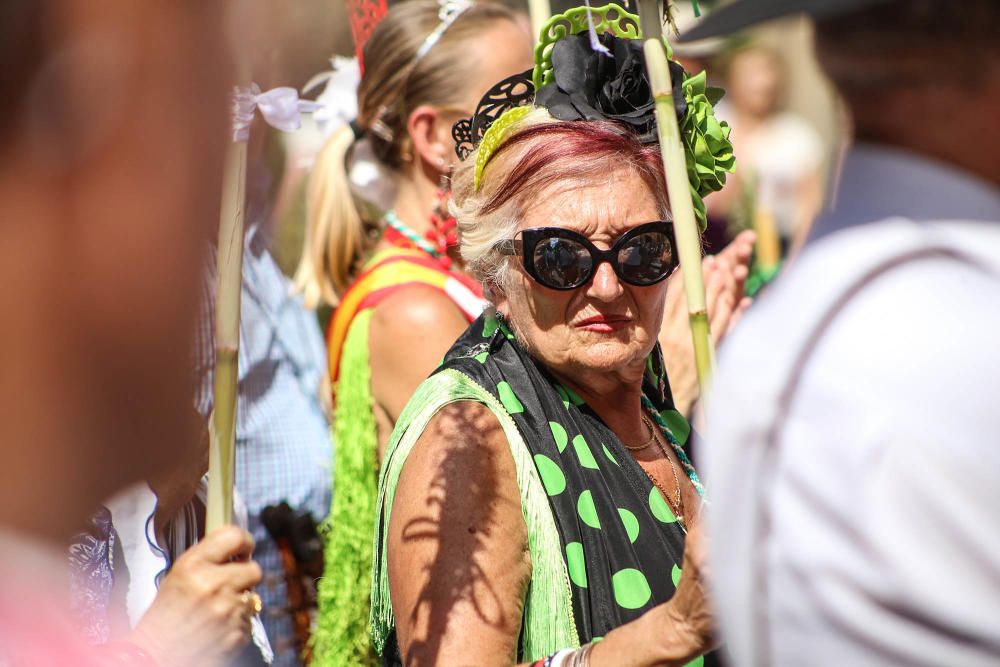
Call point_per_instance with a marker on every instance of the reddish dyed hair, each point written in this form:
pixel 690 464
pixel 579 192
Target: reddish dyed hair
pixel 540 154
pixel 573 150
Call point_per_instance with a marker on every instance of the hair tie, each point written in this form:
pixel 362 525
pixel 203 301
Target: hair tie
pixel 356 129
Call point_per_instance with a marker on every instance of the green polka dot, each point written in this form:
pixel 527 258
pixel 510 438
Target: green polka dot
pixel 631 588
pixel 611 457
pixel 568 395
pixel 661 510
pixel 675 575
pixel 587 510
pixel 481 357
pixel 490 326
pixel 631 524
pixel 697 662
pixel 583 453
pixel 559 433
pixel 561 390
pixel 509 399
pixel 574 398
pixel 576 564
pixel 552 477
pixel 677 424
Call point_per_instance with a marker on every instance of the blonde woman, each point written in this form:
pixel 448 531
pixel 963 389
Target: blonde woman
pixel 376 251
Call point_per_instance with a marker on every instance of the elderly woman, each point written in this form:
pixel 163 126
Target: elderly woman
pixel 533 499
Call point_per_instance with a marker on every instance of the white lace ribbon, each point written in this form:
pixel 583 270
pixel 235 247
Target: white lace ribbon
pixel 280 107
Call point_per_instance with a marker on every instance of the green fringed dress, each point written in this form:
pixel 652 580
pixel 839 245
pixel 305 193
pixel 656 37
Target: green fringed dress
pixel 341 637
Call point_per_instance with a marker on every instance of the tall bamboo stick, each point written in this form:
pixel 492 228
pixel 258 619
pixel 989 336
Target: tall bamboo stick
pixel 222 434
pixel 685 224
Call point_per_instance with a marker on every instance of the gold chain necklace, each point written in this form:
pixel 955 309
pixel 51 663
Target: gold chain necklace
pixel 677 503
pixel 652 436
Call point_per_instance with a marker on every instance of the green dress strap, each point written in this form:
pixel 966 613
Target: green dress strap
pixel 548 624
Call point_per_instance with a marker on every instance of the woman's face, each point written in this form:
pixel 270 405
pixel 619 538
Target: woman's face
pixel 606 325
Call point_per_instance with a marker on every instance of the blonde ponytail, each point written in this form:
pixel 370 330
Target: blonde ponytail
pixel 335 232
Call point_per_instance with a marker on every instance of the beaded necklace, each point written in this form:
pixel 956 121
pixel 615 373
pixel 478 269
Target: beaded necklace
pixel 678 450
pixel 406 232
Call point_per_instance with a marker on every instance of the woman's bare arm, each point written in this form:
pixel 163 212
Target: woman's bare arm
pixel 458 545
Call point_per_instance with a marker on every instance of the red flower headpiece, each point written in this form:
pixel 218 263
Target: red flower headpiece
pixel 364 16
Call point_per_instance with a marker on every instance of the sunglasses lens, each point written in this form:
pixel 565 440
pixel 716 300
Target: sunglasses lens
pixel 646 258
pixel 561 263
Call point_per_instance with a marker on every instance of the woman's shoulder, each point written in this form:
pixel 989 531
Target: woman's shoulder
pixel 410 332
pixel 416 306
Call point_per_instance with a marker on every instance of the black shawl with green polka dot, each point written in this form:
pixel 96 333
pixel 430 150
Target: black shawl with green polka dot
pixel 622 544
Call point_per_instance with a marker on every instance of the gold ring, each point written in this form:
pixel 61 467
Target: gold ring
pixel 252 602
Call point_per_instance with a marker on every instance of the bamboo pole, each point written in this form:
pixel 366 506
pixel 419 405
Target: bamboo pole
pixel 679 191
pixel 222 431
pixel 540 12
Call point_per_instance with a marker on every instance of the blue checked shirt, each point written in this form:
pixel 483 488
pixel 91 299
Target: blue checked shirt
pixel 283 440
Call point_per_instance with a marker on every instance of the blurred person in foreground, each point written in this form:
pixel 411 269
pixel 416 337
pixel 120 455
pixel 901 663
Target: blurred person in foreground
pixel 853 432
pixel 106 212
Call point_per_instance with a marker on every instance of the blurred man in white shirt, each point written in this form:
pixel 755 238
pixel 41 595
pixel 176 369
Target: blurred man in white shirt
pixel 853 448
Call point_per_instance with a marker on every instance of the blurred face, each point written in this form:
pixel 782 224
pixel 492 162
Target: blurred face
pixel 755 81
pixel 605 325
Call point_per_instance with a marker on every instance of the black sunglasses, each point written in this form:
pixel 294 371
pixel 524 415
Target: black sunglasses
pixel 562 259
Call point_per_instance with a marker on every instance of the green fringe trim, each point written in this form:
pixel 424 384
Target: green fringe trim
pixel 341 635
pixel 548 623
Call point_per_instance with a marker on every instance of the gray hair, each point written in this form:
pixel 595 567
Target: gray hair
pixel 480 232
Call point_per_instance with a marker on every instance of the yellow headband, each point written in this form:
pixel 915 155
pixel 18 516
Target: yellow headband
pixel 495 135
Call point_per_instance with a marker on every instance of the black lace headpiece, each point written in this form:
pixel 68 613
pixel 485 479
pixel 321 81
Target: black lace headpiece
pixel 514 91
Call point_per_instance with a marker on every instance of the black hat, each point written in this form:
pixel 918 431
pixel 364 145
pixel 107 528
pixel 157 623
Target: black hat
pixel 745 13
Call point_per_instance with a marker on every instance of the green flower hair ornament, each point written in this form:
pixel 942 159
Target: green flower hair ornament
pixel 708 151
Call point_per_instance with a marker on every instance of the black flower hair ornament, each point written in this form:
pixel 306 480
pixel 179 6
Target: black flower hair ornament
pixel 589 65
pixel 589 85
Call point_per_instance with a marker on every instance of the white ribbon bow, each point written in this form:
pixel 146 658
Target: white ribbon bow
pixel 280 107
